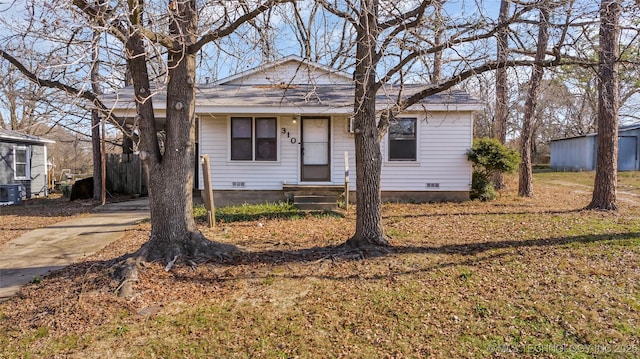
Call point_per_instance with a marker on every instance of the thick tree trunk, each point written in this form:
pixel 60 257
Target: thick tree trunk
pixel 97 154
pixel 502 91
pixel 173 229
pixel 604 191
pixel 525 183
pixel 367 139
pixel 95 121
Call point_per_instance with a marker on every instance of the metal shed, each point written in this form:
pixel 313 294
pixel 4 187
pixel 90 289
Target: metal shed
pixel 579 153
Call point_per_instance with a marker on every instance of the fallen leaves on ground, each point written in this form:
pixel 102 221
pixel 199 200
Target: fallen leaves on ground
pixel 476 279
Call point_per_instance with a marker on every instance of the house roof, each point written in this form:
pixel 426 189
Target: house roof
pixel 15 136
pixel 330 99
pixel 334 98
pixel 634 126
pixel 292 85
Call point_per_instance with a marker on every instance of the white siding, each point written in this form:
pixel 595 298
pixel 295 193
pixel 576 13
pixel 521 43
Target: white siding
pixel 342 141
pixel 290 72
pixel 443 140
pixel 256 175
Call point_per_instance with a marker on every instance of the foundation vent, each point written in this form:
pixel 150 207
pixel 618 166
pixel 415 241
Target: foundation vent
pixel 237 184
pixel 433 185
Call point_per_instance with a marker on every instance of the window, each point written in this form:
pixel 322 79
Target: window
pixel 21 162
pixel 241 135
pixel 254 139
pixel 402 139
pixel 266 146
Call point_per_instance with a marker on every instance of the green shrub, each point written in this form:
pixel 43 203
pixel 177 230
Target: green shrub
pixel 482 188
pixel 489 157
pixel 250 212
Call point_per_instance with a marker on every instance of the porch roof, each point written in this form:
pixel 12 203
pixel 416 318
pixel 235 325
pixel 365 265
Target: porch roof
pixel 19 137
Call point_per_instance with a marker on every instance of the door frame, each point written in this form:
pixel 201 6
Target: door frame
pixel 302 142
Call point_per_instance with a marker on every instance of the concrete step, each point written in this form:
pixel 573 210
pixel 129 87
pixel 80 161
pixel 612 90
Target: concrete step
pixel 312 207
pixel 314 198
pixel 315 202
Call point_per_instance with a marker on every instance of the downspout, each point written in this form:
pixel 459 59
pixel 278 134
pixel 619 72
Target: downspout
pixel 46 172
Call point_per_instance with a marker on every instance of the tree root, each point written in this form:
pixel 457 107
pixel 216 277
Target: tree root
pixel 127 273
pixel 126 269
pixel 367 243
pixel 367 247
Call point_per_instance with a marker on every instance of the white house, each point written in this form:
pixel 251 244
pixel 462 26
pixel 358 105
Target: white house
pixel 286 125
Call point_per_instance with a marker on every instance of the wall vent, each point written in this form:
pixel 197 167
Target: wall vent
pixel 433 185
pixel 237 184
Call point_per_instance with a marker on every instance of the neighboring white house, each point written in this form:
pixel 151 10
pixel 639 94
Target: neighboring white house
pixel 286 125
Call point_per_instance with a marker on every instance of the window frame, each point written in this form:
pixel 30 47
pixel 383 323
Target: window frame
pixel 259 140
pixel 255 140
pixel 26 163
pixel 233 138
pixel 391 139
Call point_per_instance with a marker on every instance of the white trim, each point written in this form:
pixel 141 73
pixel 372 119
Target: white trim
pixel 404 163
pixel 24 139
pixel 27 163
pixel 279 62
pixel 470 169
pixel 46 172
pixel 205 107
pixel 331 148
pixel 200 174
pixel 418 135
pixel 253 161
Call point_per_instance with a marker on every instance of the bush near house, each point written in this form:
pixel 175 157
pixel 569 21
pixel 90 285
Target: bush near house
pixel 489 157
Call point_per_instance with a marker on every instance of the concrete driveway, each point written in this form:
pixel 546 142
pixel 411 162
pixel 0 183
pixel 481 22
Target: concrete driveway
pixel 37 253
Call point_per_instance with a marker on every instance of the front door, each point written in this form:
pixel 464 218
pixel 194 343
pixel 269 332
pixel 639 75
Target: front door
pixel 315 147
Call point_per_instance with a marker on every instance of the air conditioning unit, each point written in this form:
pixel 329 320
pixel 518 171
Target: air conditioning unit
pixel 10 194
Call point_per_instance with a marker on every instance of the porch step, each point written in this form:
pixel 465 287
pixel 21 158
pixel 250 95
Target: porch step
pixel 315 202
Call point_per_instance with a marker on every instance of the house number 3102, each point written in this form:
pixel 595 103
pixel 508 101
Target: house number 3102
pixel 285 132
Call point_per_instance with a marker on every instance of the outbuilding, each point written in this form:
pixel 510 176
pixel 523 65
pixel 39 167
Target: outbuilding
pixel 580 153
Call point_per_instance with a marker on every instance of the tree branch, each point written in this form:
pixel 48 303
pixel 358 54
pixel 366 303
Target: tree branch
pixel 416 13
pixel 222 32
pixel 87 95
pixel 98 14
pixel 340 14
pixel 489 66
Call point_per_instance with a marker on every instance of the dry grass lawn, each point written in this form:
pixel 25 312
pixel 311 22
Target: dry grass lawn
pixel 518 277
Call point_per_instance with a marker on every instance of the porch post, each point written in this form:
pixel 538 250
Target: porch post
pixel 346 180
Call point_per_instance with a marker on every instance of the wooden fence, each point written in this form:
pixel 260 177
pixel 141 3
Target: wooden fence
pixel 125 174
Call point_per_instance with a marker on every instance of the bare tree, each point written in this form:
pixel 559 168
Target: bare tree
pixel 502 83
pixel 171 169
pixel 525 183
pixel 604 191
pixel 97 150
pixel 143 32
pixel 390 39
